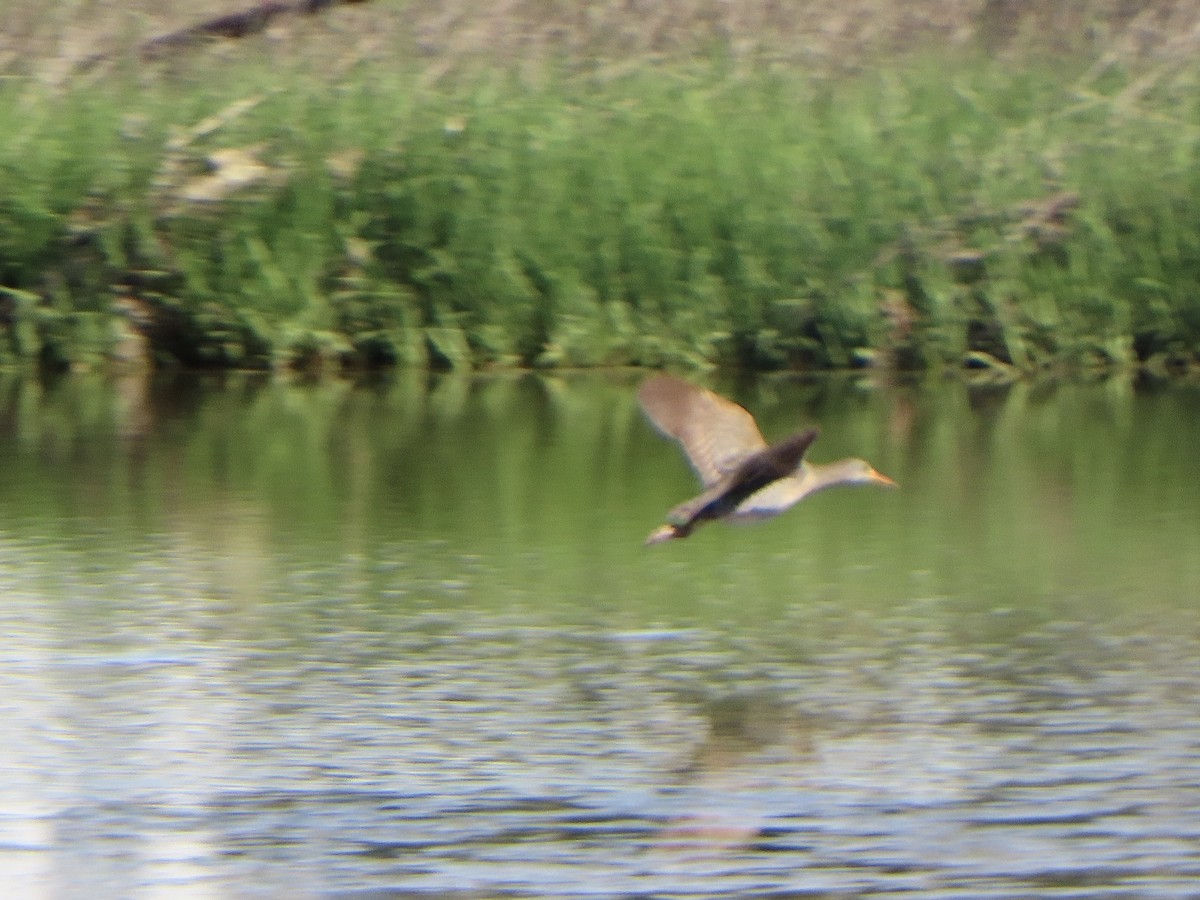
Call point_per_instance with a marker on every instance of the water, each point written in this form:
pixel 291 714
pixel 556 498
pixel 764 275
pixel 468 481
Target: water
pixel 261 638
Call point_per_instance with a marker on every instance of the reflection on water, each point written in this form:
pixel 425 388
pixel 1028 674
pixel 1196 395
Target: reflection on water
pixel 277 639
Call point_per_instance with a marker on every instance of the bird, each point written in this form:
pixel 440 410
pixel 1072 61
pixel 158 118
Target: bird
pixel 743 477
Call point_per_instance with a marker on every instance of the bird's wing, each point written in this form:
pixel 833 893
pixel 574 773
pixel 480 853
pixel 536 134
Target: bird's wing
pixel 778 495
pixel 715 433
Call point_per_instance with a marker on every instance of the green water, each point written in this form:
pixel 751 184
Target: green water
pixel 261 636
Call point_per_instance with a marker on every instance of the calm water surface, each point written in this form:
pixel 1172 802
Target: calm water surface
pixel 265 639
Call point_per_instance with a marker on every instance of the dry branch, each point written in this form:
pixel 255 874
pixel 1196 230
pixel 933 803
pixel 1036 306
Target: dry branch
pixel 240 24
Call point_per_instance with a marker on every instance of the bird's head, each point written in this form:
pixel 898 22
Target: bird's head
pixel 859 471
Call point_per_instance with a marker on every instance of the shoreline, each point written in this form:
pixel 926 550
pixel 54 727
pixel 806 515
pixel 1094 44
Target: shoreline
pixel 936 211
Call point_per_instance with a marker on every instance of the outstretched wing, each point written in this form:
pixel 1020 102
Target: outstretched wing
pixel 715 433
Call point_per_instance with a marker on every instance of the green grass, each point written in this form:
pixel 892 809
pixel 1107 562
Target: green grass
pixel 685 213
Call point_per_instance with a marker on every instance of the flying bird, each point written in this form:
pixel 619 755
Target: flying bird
pixel 744 478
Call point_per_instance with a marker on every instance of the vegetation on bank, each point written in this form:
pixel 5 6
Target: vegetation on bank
pixel 928 210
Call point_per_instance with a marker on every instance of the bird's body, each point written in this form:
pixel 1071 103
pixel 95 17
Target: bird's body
pixel 743 477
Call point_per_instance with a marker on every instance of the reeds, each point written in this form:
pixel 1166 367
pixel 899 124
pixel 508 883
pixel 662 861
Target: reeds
pixel 949 207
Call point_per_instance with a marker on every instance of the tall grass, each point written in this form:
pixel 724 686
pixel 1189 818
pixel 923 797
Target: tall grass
pixel 928 211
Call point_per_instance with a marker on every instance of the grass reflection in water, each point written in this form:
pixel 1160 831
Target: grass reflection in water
pixel 404 636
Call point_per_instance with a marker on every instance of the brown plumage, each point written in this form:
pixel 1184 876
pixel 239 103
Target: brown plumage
pixel 743 477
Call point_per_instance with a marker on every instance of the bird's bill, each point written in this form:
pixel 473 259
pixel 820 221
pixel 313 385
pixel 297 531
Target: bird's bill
pixel 880 478
pixel 662 533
